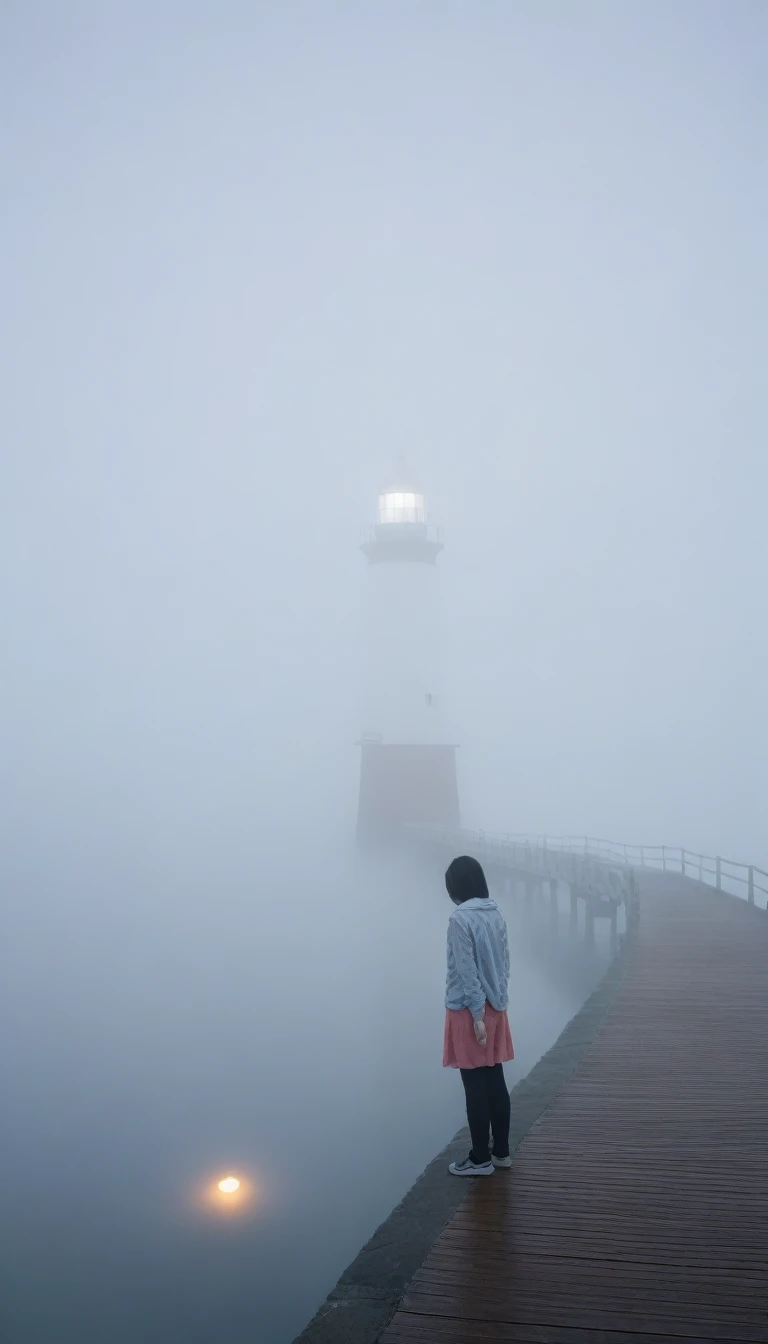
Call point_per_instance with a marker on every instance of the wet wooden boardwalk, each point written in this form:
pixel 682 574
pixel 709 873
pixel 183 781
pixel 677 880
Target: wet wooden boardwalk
pixel 636 1211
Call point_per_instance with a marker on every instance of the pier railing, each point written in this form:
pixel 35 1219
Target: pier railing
pixel 530 857
pixel 738 879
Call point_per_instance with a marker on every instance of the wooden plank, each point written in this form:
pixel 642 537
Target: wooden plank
pixel 417 1330
pixel 613 1288
pixel 581 1270
pixel 697 1324
pixel 636 1211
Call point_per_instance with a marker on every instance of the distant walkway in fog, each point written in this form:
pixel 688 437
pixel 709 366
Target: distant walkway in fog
pixel 637 1205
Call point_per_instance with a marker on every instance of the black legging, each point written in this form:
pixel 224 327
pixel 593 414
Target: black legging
pixel 488 1110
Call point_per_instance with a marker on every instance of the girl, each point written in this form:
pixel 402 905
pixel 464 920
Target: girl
pixel 478 1041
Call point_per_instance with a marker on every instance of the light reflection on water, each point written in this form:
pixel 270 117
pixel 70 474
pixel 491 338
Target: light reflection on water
pixel 146 1059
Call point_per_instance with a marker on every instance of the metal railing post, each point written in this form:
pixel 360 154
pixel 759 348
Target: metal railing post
pixel 682 861
pixel 718 874
pixel 664 858
pixel 751 885
pixel 589 920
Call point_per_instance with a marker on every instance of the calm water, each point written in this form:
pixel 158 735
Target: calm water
pixel 281 1020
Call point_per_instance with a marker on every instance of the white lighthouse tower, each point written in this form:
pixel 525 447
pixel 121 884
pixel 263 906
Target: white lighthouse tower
pixel 408 761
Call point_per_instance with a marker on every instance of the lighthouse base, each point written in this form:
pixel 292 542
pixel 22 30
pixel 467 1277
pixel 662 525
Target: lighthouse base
pixel 405 785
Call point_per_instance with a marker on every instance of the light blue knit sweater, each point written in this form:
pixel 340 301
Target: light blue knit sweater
pixel 478 957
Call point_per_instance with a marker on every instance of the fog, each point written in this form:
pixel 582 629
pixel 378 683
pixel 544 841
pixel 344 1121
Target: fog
pixel 250 254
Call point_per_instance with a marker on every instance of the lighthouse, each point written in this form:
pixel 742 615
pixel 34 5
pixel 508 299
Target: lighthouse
pixel 407 761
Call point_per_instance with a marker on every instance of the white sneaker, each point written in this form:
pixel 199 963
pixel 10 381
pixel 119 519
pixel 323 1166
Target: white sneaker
pixel 501 1161
pixel 470 1168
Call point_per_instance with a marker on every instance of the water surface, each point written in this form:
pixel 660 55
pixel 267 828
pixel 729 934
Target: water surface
pixel 278 1018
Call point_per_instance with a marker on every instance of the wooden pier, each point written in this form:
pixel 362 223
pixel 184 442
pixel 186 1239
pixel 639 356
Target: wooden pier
pixel 636 1209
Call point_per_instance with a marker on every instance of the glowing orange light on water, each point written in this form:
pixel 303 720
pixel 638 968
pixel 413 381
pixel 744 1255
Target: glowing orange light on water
pixel 228 1194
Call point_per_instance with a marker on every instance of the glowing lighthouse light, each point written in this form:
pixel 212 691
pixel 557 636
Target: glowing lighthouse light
pixel 229 1185
pixel 401 506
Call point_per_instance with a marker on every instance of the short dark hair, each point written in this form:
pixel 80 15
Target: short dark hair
pixel 464 879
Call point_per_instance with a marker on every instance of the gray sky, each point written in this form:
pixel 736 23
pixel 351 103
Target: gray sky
pixel 253 251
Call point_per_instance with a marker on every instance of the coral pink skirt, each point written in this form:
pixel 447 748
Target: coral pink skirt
pixel 460 1047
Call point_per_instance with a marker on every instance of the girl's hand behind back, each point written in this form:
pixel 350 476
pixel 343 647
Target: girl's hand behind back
pixel 480 1033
